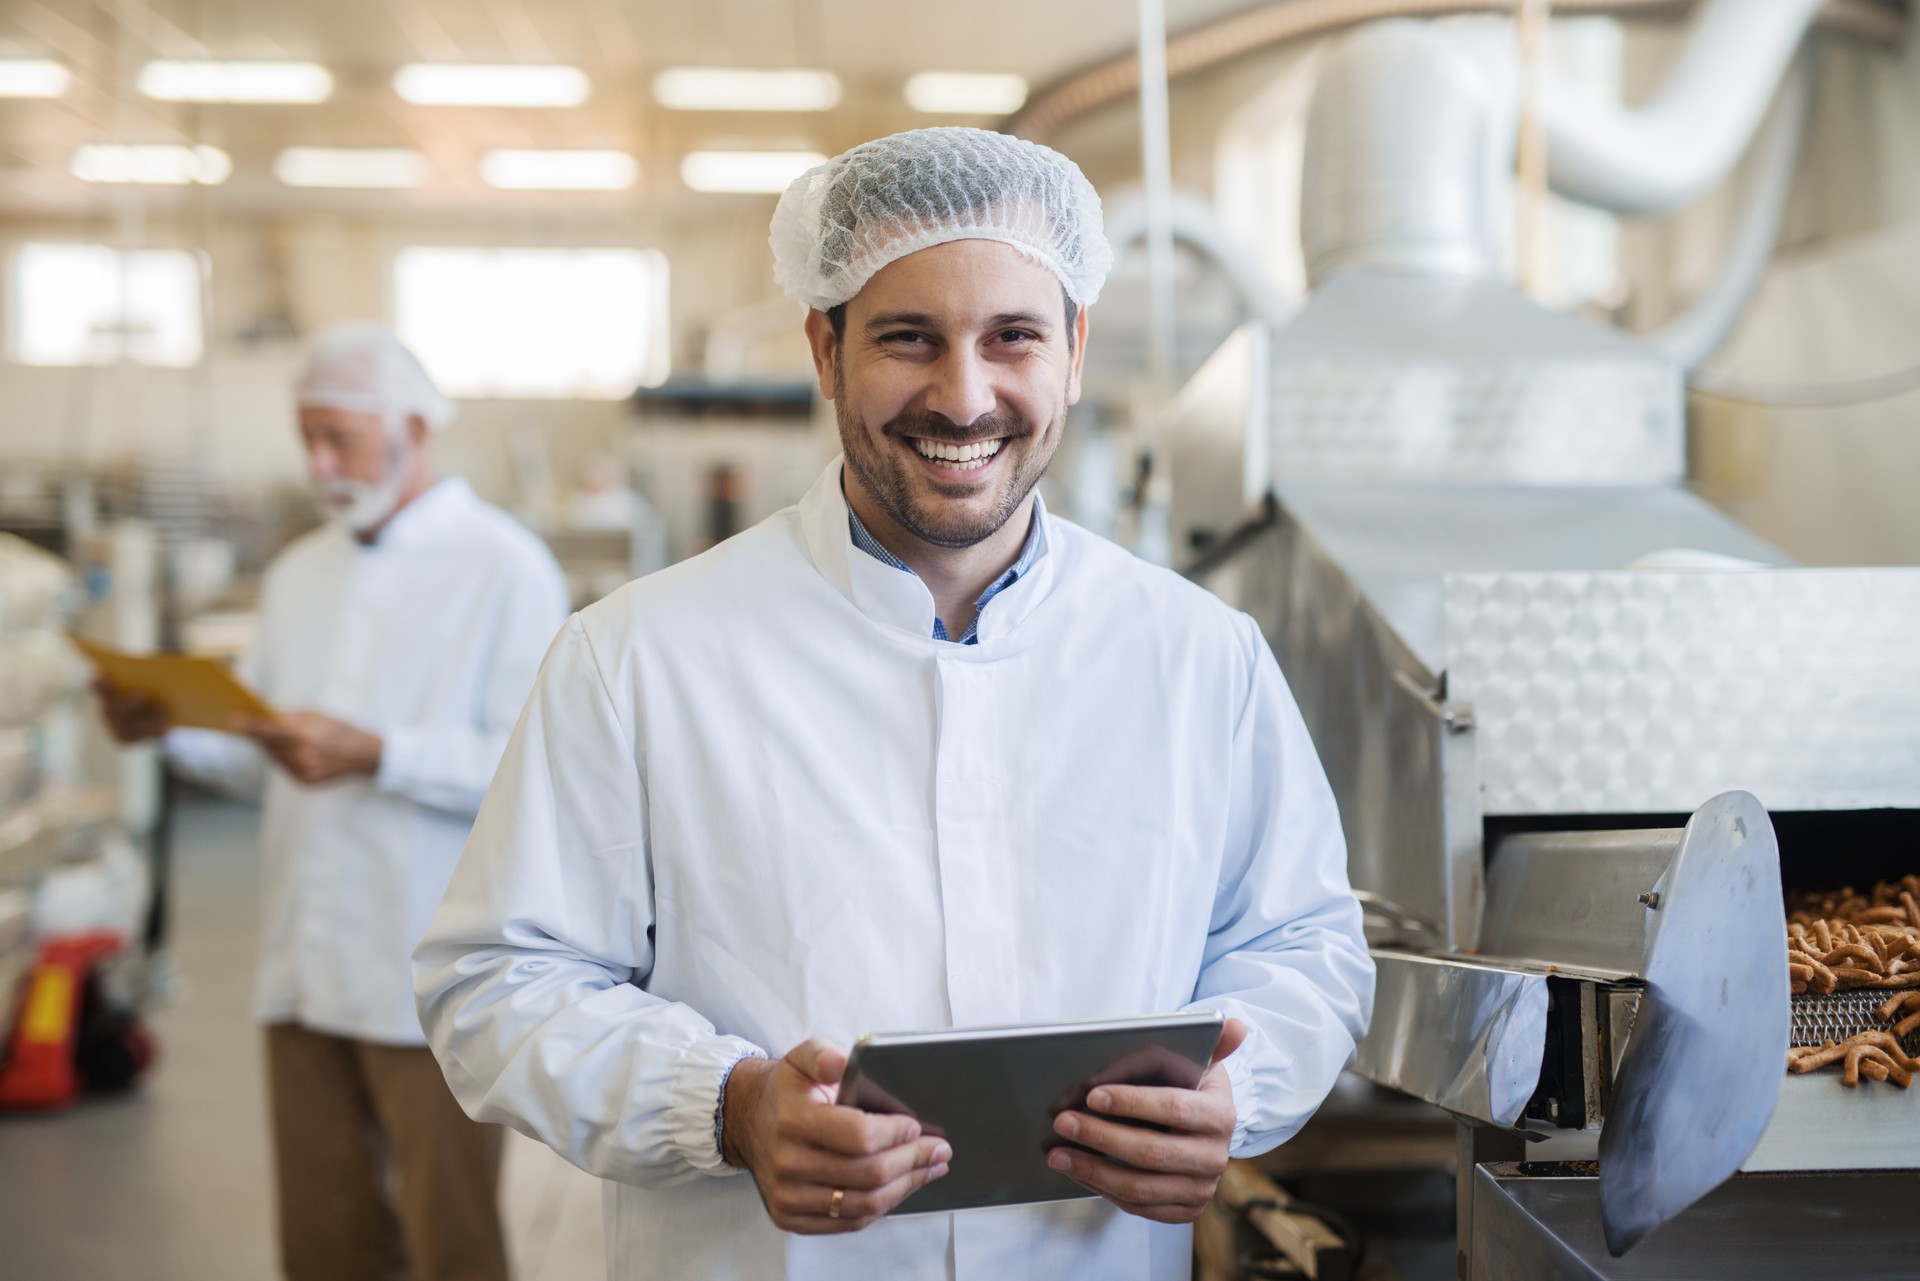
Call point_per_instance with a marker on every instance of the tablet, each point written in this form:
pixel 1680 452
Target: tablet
pixel 992 1093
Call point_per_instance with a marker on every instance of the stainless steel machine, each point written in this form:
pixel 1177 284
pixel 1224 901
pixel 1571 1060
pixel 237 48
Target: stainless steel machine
pixel 1560 720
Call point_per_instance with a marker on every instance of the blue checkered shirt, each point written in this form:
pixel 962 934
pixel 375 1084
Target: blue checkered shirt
pixel 1032 550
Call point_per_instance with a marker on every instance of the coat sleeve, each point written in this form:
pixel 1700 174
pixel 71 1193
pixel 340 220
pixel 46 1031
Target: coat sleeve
pixel 447 766
pixel 1285 952
pixel 532 978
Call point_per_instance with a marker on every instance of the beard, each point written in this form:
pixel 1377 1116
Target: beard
pixel 895 483
pixel 362 505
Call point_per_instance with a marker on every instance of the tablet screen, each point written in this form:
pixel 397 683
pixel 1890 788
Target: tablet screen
pixel 992 1093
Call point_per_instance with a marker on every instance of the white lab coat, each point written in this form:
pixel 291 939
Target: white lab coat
pixel 430 637
pixel 752 801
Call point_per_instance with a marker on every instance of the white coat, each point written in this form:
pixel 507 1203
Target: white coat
pixel 752 801
pixel 429 637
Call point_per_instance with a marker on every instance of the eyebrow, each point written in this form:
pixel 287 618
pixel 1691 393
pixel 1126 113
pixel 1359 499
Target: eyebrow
pixel 923 320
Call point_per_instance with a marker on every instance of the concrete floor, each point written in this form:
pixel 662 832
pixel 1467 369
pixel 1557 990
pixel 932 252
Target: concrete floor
pixel 172 1183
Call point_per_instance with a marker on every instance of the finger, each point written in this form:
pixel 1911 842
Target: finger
pixel 818 1061
pixel 263 730
pixel 851 1132
pixel 831 1169
pixel 1172 1153
pixel 804 1202
pixel 1232 1036
pixel 1139 1187
pixel 1188 1111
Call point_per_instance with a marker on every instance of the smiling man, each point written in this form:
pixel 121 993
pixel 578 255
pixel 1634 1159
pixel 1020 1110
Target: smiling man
pixel 913 754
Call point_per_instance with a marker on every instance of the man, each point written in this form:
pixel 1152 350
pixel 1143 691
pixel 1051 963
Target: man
pixel 397 644
pixel 912 754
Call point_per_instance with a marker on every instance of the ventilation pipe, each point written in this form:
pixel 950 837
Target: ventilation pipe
pixel 1658 157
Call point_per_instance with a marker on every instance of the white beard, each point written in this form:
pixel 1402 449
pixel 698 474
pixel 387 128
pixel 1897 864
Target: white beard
pixel 363 505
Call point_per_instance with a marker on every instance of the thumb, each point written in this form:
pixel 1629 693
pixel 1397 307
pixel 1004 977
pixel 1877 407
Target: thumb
pixel 1232 1036
pixel 818 1061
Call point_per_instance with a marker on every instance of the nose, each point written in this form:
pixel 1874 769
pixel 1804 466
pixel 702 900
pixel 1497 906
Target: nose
pixel 322 463
pixel 963 390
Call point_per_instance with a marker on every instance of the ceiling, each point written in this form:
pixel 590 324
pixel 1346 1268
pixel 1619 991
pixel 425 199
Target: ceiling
pixel 620 43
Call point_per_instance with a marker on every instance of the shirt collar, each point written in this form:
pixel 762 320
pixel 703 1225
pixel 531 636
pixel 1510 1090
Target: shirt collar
pixel 425 516
pixel 1031 550
pixel 899 600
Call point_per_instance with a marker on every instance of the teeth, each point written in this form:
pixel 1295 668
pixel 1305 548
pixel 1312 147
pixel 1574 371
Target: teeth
pixel 959 457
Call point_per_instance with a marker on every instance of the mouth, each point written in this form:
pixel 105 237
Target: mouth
pixel 957 462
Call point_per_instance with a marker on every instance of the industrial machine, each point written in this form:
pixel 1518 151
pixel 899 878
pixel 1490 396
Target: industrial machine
pixel 1584 731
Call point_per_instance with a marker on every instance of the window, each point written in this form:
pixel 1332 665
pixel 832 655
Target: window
pixel 535 323
pixel 96 305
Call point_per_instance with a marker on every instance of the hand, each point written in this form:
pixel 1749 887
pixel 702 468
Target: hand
pixel 1168 1174
pixel 314 748
pixel 131 717
pixel 783 1125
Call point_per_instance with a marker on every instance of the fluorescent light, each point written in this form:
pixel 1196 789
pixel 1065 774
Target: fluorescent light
pixel 236 81
pixel 732 89
pixel 166 165
pixel 32 78
pixel 344 167
pixel 447 84
pixel 559 170
pixel 746 170
pixel 963 93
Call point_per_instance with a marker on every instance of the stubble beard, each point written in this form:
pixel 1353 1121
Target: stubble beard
pixel 885 476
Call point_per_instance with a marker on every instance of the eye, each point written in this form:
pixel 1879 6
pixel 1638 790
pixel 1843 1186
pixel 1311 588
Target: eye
pixel 904 337
pixel 1016 336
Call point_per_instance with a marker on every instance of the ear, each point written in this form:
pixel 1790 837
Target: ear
pixel 1079 355
pixel 417 431
pixel 826 349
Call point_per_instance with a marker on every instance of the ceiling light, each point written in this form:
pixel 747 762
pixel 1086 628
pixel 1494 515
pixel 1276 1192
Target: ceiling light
pixel 347 167
pixel 32 78
pixel 167 165
pixel 732 89
pixel 559 170
pixel 746 170
pixel 236 81
pixel 962 93
pixel 447 84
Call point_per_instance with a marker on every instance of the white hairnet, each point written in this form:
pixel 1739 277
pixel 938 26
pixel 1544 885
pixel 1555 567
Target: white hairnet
pixel 363 369
pixel 842 221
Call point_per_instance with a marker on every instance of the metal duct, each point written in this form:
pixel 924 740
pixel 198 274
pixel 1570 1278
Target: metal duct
pixel 1398 137
pixel 1196 224
pixel 1705 326
pixel 1284 20
pixel 1654 158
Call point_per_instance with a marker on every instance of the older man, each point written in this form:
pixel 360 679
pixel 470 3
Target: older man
pixel 912 754
pixel 400 640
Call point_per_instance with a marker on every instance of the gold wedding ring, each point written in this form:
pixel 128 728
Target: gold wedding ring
pixel 833 1206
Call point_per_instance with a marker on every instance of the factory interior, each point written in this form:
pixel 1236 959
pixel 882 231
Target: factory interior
pixel 1537 381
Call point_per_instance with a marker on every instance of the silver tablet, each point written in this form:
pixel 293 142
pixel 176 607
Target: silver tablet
pixel 992 1093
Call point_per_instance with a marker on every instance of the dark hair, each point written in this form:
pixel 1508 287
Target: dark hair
pixel 837 317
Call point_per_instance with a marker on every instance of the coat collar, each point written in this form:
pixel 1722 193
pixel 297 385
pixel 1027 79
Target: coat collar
pixel 898 600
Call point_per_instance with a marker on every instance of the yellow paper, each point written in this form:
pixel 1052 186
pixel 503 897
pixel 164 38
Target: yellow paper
pixel 198 692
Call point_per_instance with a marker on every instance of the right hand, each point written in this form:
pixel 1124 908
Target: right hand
pixel 783 1125
pixel 131 717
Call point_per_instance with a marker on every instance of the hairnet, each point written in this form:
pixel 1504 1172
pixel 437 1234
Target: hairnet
pixel 363 369
pixel 841 222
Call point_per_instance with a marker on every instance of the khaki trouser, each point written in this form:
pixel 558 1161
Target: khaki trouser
pixel 379 1172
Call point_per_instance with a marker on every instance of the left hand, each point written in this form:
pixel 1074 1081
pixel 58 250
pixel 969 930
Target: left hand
pixel 1168 1174
pixel 315 748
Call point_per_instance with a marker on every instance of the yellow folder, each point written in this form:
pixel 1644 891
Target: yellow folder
pixel 198 692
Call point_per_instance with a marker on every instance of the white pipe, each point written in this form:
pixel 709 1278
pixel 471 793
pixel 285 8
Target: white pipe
pixel 1401 137
pixel 1157 167
pixel 1660 156
pixel 1700 331
pixel 1193 222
